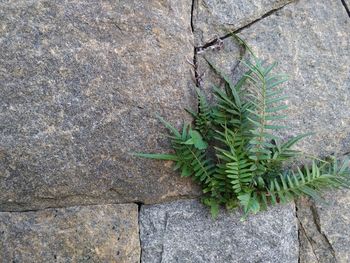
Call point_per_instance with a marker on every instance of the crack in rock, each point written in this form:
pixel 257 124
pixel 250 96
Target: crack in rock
pixel 218 40
pixel 310 229
pixel 317 222
pixel 236 27
pixel 346 7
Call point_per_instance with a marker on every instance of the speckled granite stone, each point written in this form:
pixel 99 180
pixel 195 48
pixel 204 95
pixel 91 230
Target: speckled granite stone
pixel 324 232
pixel 183 231
pixel 81 82
pixel 347 5
pixel 334 220
pixel 104 233
pixel 214 18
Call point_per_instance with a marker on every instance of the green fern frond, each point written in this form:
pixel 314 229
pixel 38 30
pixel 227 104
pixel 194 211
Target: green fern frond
pixel 234 162
pixel 230 88
pixel 234 151
pixel 309 181
pixel 250 202
pixel 264 97
pixel 203 118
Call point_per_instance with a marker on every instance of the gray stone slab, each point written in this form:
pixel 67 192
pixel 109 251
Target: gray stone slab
pixel 334 220
pixel 325 233
pixel 106 233
pixel 183 231
pixel 315 55
pixel 314 244
pixel 81 82
pixel 214 18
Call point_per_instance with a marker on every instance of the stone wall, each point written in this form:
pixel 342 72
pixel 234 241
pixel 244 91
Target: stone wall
pixel 80 85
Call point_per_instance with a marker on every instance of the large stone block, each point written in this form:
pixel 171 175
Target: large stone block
pixel 212 18
pixel 81 82
pixel 183 231
pixel 315 55
pixel 106 233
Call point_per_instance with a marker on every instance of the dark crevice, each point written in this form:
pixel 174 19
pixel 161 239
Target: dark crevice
pixel 316 219
pixel 139 204
pixel 67 206
pixel 346 7
pixel 299 229
pixel 302 231
pixel 194 63
pixel 33 210
pixel 192 15
pixel 166 219
pixel 197 79
pixel 310 231
pixel 220 39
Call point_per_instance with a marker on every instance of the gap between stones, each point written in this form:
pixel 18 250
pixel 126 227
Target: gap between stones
pixel 301 229
pixel 213 42
pixel 346 7
pixel 319 242
pixel 139 204
pixel 316 220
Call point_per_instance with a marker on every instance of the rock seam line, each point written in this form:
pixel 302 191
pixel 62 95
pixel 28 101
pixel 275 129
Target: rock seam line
pixel 214 42
pixel 302 229
pixel 346 7
pixel 317 223
pixel 139 204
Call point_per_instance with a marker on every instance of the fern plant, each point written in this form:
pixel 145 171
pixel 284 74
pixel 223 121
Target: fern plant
pixel 247 169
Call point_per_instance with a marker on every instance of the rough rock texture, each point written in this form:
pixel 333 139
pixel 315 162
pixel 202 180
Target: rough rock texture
pixel 346 4
pixel 212 18
pixel 81 82
pixel 324 233
pixel 315 55
pixel 314 244
pixel 334 218
pixel 183 231
pixel 224 54
pixel 106 233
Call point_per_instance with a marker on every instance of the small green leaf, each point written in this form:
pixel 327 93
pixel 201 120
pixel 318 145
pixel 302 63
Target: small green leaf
pixel 186 171
pixel 214 209
pixel 197 140
pixel 158 156
pixel 169 126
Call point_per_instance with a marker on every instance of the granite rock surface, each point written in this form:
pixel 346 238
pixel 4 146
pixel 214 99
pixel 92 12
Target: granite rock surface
pixel 103 233
pixel 314 245
pixel 183 231
pixel 334 219
pixel 346 4
pixel 212 18
pixel 324 228
pixel 81 83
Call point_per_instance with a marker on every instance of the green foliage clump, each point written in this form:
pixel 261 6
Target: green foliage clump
pixel 247 168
